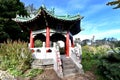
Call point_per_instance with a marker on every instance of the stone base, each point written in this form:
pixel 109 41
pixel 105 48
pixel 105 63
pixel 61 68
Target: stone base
pixel 42 64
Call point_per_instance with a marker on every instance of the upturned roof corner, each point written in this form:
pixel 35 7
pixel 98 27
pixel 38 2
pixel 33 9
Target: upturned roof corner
pixel 51 13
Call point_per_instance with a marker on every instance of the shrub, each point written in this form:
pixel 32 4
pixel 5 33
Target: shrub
pixel 33 72
pixel 38 43
pixel 89 57
pixel 15 72
pixel 15 56
pixel 109 66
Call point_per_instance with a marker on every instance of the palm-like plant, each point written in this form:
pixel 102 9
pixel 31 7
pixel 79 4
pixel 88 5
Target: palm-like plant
pixel 116 2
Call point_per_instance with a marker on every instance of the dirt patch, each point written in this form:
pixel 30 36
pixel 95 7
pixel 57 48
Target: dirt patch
pixel 50 74
pixel 86 76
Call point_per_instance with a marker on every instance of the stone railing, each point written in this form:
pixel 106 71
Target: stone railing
pixel 49 53
pixel 58 64
pixel 76 56
pixel 43 53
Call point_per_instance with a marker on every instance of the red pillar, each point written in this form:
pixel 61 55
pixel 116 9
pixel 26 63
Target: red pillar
pixel 67 44
pixel 48 37
pixel 31 40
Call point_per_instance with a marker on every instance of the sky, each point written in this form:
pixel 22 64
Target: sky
pixel 99 19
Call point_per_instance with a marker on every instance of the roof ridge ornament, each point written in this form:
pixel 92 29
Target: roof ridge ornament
pixel 43 6
pixel 53 11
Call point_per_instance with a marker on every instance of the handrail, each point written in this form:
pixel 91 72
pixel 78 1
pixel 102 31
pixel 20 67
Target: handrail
pixel 58 64
pixel 76 55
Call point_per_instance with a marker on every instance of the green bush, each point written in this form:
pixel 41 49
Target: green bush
pixel 90 56
pixel 33 72
pixel 109 66
pixel 90 59
pixel 38 43
pixel 15 56
pixel 15 72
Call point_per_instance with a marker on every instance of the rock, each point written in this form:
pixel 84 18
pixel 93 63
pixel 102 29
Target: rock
pixel 4 75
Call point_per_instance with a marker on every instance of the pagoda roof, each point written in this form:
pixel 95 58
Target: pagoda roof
pixel 46 17
pixel 50 13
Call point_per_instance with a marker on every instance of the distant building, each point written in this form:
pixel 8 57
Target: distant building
pixel 86 42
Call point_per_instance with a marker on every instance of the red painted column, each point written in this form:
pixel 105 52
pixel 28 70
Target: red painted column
pixel 31 40
pixel 48 37
pixel 67 44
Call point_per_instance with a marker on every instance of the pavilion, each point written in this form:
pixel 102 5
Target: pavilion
pixel 50 29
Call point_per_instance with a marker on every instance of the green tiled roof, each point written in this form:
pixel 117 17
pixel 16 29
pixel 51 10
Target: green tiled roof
pixel 50 13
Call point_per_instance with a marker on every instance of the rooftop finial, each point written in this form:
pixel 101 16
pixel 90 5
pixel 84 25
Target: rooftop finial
pixel 43 6
pixel 53 11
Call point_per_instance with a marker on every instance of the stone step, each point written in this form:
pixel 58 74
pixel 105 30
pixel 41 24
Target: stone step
pixel 69 72
pixel 41 62
pixel 68 66
pixel 42 66
pixel 67 61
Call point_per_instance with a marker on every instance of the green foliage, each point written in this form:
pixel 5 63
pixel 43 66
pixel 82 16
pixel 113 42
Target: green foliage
pixel 38 43
pixel 115 2
pixel 62 50
pixel 9 8
pixel 90 59
pixel 109 66
pixel 33 72
pixel 14 57
pixel 117 43
pixel 15 72
pixel 8 28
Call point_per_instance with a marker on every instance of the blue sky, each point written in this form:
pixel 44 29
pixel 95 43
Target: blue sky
pixel 99 20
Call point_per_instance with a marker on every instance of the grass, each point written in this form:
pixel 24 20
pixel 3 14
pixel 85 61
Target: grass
pixel 16 58
pixel 33 72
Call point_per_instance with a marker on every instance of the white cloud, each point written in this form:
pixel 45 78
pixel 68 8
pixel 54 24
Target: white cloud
pixel 78 4
pixel 109 33
pixel 60 11
pixel 100 34
pixel 101 29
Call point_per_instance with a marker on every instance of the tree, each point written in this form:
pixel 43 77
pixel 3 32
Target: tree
pixel 116 2
pixel 31 9
pixel 8 10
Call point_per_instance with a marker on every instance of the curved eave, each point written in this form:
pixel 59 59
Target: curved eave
pixel 27 19
pixel 32 18
pixel 63 18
